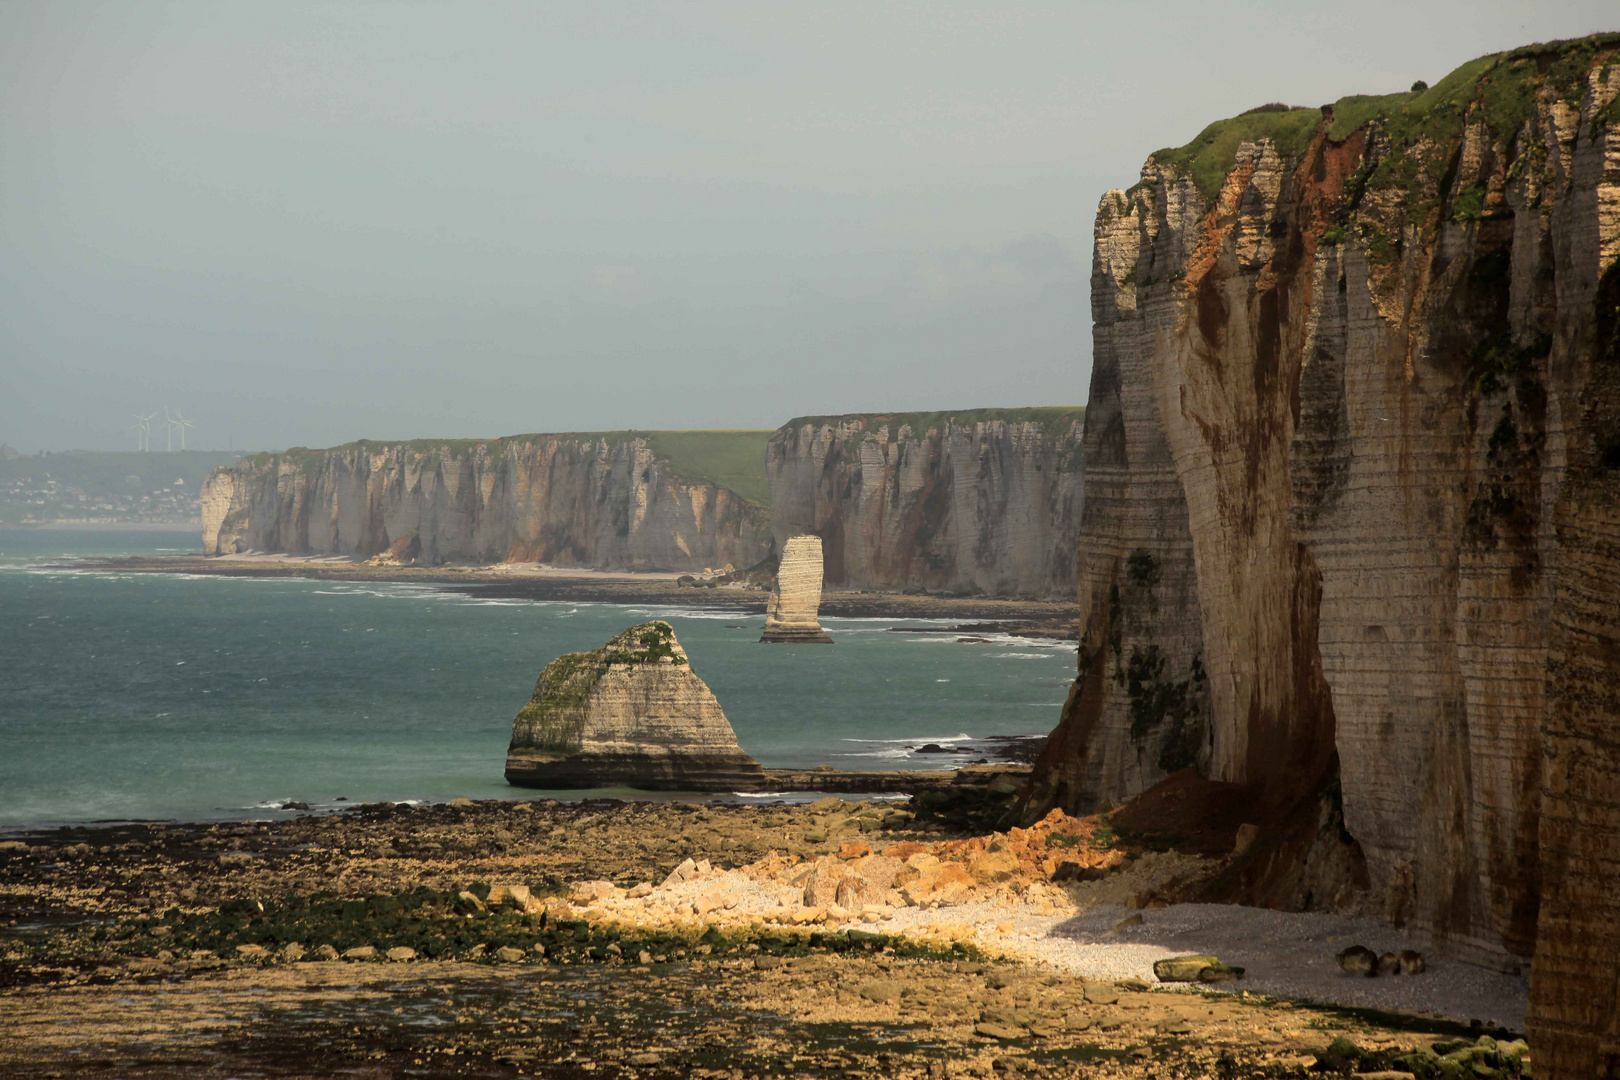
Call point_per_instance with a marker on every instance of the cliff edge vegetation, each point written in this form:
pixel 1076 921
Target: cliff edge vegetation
pixel 1346 545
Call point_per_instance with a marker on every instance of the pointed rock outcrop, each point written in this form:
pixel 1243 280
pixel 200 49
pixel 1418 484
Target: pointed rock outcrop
pixel 790 614
pixel 631 713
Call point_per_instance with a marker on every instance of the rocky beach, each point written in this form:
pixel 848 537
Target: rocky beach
pixel 607 938
pixel 1284 676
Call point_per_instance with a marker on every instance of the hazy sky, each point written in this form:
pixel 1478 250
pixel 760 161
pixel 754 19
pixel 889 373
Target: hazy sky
pixel 309 223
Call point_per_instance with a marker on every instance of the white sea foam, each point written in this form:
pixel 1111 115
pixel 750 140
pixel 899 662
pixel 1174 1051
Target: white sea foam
pixel 941 739
pixel 897 754
pixel 712 614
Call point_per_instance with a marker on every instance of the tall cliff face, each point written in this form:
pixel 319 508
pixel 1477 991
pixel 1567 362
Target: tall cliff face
pixel 981 501
pixel 1575 980
pixel 1340 359
pixel 608 502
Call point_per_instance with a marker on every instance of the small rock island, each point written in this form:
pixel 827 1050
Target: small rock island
pixel 630 713
pixel 790 614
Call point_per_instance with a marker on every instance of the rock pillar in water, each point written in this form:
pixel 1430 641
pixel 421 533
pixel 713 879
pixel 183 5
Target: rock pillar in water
pixel 790 615
pixel 631 713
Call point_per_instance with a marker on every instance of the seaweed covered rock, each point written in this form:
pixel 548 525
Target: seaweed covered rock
pixel 631 713
pixel 790 614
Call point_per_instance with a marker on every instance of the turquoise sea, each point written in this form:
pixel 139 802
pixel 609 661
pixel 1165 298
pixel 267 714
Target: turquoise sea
pixel 193 697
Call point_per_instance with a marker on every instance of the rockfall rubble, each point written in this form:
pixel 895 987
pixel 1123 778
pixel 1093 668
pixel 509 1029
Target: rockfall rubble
pixel 1349 527
pixel 630 713
pixel 791 612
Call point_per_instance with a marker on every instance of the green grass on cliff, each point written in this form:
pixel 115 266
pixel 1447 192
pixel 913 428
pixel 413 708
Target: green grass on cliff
pixel 729 459
pixel 1054 419
pixel 1209 157
pixel 1499 89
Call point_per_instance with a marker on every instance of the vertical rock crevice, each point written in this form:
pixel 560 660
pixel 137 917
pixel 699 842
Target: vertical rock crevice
pixel 570 500
pixel 976 501
pixel 1344 379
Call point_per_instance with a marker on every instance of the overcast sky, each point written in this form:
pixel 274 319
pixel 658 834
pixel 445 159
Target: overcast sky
pixel 309 223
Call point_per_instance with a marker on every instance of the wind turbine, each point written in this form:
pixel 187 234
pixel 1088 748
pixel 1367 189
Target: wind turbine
pixel 168 427
pixel 144 423
pixel 181 423
pixel 140 432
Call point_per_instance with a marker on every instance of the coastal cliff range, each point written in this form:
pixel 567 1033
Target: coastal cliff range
pixel 1349 536
pixel 984 500
pixel 610 501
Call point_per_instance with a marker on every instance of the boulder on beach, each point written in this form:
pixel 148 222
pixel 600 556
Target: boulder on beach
pixel 791 611
pixel 631 713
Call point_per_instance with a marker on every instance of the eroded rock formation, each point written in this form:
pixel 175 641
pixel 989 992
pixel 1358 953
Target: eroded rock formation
pixel 1575 979
pixel 607 502
pixel 986 500
pixel 631 713
pixel 791 613
pixel 1346 361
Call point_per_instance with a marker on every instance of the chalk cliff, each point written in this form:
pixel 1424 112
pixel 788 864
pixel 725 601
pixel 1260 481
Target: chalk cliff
pixel 631 713
pixel 608 501
pixel 985 500
pixel 1575 980
pixel 795 601
pixel 1350 489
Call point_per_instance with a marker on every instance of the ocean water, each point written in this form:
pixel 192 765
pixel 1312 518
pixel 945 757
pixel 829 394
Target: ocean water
pixel 195 697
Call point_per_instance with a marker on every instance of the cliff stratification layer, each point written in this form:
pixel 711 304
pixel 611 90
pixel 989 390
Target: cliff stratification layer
pixel 1346 366
pixel 791 613
pixel 607 501
pixel 984 501
pixel 631 713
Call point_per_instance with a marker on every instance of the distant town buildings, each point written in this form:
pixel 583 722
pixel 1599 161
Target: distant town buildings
pixel 41 500
pixel 104 487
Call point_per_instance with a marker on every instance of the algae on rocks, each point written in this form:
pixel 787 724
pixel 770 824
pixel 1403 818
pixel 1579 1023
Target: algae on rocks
pixel 630 713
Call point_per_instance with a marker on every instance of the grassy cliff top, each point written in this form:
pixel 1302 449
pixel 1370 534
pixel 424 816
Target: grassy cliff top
pixel 731 459
pixel 728 459
pixel 1499 88
pixel 1054 419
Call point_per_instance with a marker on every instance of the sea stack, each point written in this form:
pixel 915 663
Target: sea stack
pixel 631 713
pixel 790 614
